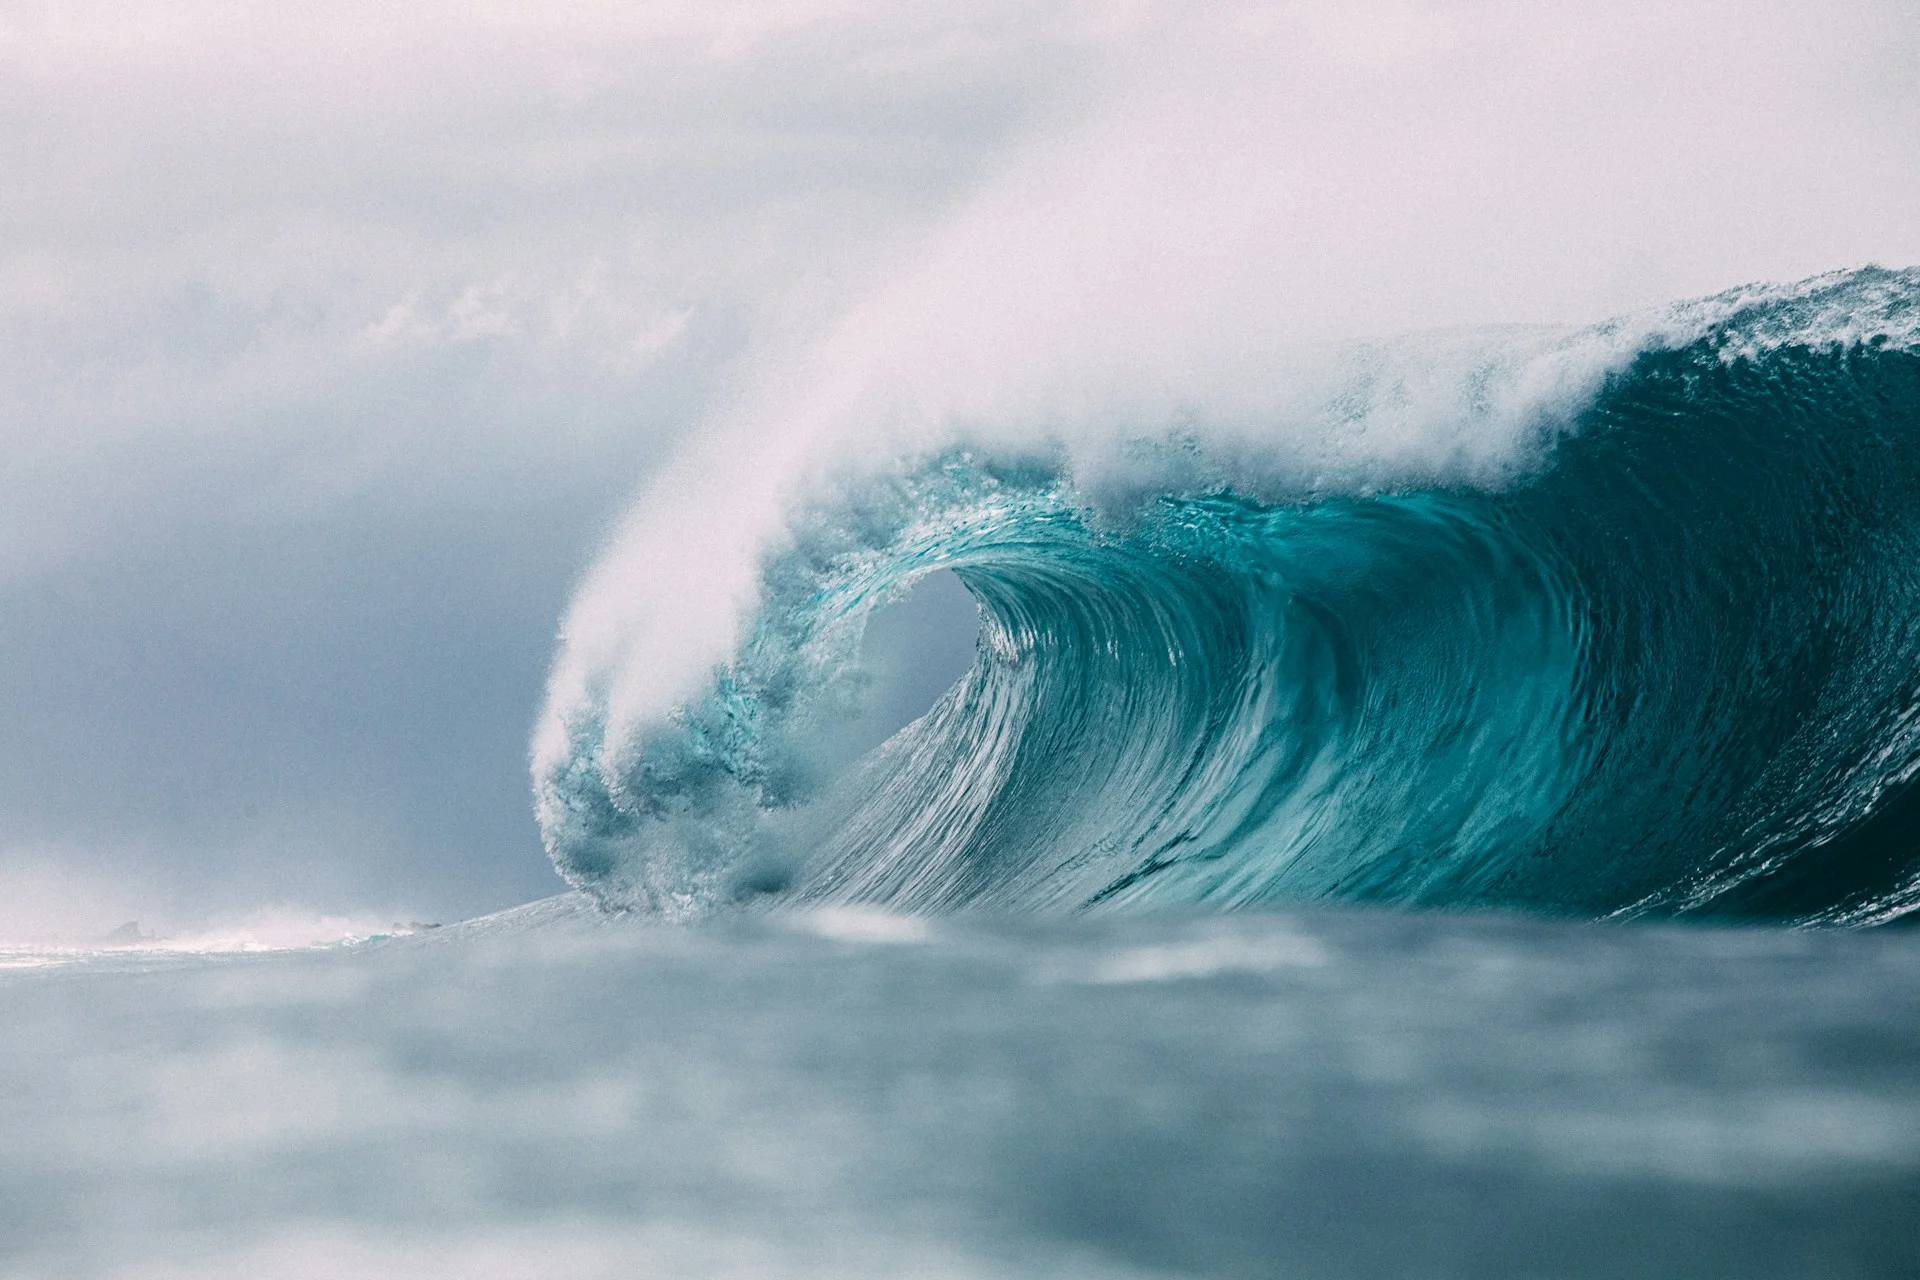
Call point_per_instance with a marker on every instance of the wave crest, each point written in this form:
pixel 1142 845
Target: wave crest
pixel 1659 657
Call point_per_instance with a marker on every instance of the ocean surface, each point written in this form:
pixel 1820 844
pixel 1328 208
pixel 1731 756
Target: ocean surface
pixel 1455 816
pixel 1336 1092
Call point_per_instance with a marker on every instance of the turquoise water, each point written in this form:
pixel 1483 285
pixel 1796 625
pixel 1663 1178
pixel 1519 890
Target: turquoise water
pixel 1660 659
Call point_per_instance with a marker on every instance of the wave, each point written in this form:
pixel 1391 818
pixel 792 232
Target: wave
pixel 1656 652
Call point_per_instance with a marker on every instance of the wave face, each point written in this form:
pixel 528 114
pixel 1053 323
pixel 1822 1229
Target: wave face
pixel 1668 662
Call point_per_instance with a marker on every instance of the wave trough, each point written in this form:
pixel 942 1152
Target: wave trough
pixel 1663 658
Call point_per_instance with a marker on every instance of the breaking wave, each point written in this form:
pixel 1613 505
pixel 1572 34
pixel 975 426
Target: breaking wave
pixel 1654 650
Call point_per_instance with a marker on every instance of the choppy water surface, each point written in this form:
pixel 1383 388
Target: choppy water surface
pixel 1332 1093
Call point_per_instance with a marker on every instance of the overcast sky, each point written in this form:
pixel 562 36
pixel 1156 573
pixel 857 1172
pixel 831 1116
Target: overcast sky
pixel 334 338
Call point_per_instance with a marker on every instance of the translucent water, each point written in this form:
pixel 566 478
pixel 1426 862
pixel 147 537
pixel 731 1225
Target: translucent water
pixel 1616 621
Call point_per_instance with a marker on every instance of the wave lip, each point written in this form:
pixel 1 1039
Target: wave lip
pixel 1654 654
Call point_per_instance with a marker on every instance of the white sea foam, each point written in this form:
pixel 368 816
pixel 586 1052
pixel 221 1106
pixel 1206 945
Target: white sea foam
pixel 53 918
